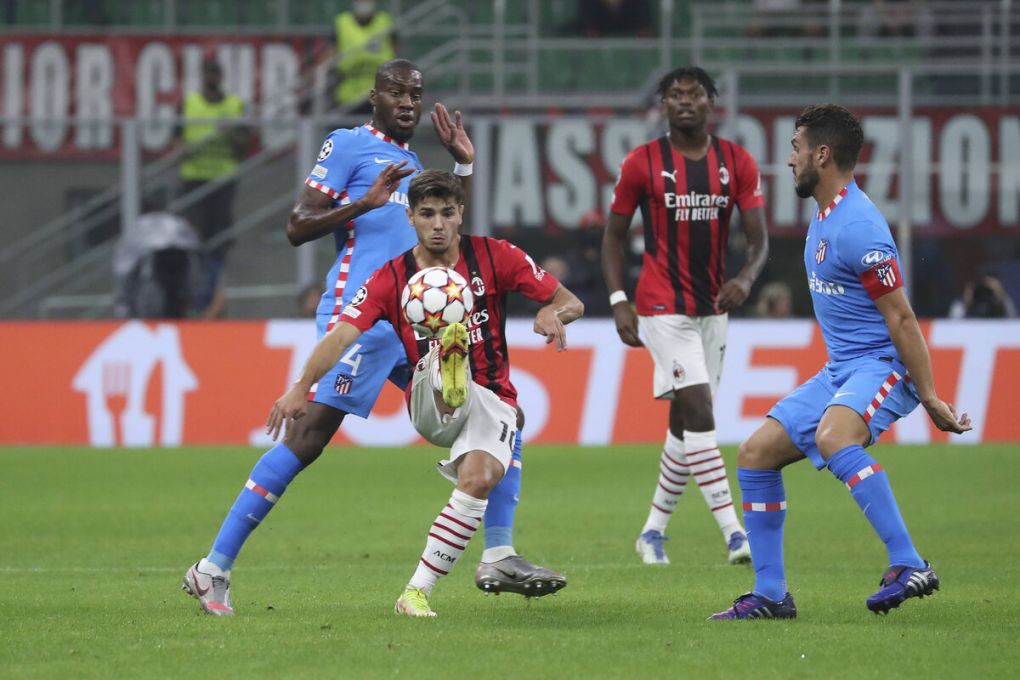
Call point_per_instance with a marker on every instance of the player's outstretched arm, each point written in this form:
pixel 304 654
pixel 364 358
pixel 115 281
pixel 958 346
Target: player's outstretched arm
pixel 734 292
pixel 454 137
pixel 294 403
pixel 614 241
pixel 559 310
pixel 314 216
pixel 909 341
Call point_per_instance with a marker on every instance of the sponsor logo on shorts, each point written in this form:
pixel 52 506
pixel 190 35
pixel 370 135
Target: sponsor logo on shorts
pixel 343 384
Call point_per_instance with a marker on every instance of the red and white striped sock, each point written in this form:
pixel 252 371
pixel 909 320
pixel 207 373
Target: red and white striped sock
pixel 673 474
pixel 709 470
pixel 448 537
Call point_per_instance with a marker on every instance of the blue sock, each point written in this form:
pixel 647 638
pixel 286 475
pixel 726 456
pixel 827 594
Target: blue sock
pixel 764 515
pixel 267 482
pixel 499 515
pixel 869 486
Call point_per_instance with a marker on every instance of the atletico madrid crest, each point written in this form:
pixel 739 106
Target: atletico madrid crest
pixel 886 273
pixel 823 248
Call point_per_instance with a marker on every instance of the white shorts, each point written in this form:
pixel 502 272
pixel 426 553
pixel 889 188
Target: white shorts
pixel 484 423
pixel 687 350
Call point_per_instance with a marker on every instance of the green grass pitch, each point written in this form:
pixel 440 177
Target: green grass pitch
pixel 93 545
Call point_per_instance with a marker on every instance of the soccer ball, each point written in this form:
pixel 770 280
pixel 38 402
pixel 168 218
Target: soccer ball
pixel 434 298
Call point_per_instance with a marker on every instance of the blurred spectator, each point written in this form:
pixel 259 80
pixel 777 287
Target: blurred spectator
pixel 364 40
pixel 158 268
pixel 983 298
pixel 895 19
pixel 308 300
pixel 775 301
pixel 211 157
pixel 615 18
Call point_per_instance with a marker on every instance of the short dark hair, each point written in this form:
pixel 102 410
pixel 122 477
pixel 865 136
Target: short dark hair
pixel 387 67
pixel 441 184
pixel 692 72
pixel 837 128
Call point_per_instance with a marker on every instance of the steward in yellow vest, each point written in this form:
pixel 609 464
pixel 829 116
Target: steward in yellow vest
pixel 212 152
pixel 363 43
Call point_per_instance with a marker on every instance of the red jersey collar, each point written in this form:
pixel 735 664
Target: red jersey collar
pixel 822 214
pixel 386 138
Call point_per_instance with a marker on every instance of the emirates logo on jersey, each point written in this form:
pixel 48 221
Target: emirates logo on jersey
pixel 696 207
pixel 821 250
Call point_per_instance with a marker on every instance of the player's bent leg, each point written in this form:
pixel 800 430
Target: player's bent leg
pixel 908 574
pixel 707 465
pixel 448 537
pixel 209 579
pixel 672 481
pixel 760 460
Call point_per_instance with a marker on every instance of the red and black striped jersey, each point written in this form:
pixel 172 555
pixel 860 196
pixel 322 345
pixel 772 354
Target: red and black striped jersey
pixel 686 207
pixel 494 268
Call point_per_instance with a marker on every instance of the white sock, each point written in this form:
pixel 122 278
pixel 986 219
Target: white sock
pixel 211 568
pixel 448 537
pixel 500 552
pixel 673 474
pixel 709 470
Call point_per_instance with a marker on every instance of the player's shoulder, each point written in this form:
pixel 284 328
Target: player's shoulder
pixel 739 152
pixel 637 159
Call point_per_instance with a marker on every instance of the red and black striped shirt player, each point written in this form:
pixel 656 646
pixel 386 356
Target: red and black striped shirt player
pixel 686 206
pixel 494 268
pixel 686 185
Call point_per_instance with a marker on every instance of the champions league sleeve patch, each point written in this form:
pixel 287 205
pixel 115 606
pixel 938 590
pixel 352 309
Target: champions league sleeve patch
pixel 325 151
pixel 882 278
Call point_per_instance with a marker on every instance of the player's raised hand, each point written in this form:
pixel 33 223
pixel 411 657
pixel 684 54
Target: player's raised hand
pixel 452 134
pixel 288 408
pixel 732 294
pixel 385 184
pixel 626 324
pixel 944 417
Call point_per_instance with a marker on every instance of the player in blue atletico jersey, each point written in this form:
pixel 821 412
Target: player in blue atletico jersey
pixel 357 191
pixel 878 371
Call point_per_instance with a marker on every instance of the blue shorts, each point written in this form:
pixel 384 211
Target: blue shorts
pixel 353 385
pixel 874 387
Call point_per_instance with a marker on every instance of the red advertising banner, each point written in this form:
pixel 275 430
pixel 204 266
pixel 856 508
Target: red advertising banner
pixel 60 92
pixel 171 384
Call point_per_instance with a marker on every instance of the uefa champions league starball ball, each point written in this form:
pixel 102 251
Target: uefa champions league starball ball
pixel 434 298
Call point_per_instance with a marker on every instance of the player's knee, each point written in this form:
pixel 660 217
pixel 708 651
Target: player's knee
pixel 828 440
pixel 478 481
pixel 748 455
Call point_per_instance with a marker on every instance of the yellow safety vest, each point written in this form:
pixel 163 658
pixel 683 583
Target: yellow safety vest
pixel 216 157
pixel 361 50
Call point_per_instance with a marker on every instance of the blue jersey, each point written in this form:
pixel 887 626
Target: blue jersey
pixel 851 260
pixel 347 165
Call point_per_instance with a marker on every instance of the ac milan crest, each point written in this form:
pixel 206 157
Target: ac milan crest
pixel 820 252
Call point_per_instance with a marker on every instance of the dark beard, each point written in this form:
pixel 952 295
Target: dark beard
pixel 805 185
